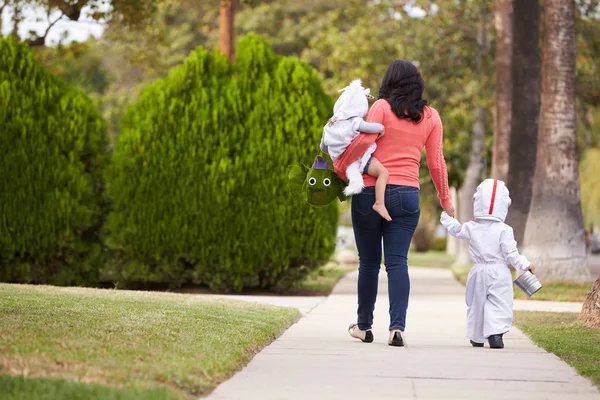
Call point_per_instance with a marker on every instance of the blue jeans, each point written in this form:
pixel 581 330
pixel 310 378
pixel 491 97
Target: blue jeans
pixel 402 203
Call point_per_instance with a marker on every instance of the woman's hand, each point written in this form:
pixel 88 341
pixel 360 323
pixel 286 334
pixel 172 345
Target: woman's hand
pixel 532 268
pixel 450 211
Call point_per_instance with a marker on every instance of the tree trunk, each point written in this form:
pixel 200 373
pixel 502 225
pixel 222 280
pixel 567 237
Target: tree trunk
pixel 590 313
pixel 17 18
pixel 473 173
pixel 554 237
pixel 226 33
pixel 502 112
pixel 525 73
pixel 469 186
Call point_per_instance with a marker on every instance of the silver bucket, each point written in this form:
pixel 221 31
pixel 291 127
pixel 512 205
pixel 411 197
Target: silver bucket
pixel 528 283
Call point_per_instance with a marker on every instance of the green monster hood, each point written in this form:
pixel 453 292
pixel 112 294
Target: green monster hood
pixel 320 184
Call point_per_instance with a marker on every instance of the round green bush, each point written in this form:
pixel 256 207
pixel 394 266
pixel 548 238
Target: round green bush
pixel 198 181
pixel 53 151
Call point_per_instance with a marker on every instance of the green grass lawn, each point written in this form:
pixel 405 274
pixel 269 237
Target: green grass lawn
pixel 559 291
pixel 561 334
pixel 433 259
pixel 20 388
pixel 322 281
pixel 166 345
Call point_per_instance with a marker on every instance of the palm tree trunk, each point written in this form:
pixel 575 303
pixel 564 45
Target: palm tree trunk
pixel 525 112
pixel 226 32
pixel 473 173
pixel 554 236
pixel 470 183
pixel 590 313
pixel 502 114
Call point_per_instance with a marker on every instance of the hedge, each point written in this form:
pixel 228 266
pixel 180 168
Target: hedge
pixel 198 180
pixel 54 150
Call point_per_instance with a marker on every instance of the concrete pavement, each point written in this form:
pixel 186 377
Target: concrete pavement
pixel 316 359
pixel 303 303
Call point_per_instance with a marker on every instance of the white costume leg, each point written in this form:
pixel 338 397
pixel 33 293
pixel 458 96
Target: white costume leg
pixel 499 304
pixel 356 182
pixel 475 296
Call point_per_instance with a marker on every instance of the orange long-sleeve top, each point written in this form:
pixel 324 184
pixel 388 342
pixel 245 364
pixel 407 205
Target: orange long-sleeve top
pixel 399 149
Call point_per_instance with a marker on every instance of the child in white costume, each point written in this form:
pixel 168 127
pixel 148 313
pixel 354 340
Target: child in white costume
pixel 492 246
pixel 345 125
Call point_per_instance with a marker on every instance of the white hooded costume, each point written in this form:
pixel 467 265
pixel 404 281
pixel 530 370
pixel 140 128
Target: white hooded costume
pixel 345 125
pixel 492 246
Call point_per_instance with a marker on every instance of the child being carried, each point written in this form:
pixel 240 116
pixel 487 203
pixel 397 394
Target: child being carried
pixel 345 125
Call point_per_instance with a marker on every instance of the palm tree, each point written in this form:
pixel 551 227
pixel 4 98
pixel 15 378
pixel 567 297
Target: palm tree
pixel 525 75
pixel 502 114
pixel 473 172
pixel 226 32
pixel 590 312
pixel 554 236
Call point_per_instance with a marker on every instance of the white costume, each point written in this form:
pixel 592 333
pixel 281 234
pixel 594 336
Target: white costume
pixel 492 246
pixel 345 125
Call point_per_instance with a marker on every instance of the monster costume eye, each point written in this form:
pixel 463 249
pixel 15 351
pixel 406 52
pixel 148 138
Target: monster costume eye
pixel 326 182
pixel 312 181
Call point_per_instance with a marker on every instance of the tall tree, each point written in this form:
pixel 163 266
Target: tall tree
pixel 503 109
pixel 226 26
pixel 554 236
pixel 473 173
pixel 526 76
pixel 590 312
pixel 127 12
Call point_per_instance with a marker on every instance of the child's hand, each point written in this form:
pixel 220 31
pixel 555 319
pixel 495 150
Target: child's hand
pixel 532 268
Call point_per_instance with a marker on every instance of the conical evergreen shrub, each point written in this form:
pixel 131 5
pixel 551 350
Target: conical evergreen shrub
pixel 199 174
pixel 53 150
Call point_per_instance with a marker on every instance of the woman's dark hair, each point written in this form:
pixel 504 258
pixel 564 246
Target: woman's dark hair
pixel 402 86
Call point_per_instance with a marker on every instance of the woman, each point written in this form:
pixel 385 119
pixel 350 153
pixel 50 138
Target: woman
pixel 410 126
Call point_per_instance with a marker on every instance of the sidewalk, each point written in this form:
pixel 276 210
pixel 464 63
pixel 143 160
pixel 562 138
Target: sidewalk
pixel 316 359
pixel 304 304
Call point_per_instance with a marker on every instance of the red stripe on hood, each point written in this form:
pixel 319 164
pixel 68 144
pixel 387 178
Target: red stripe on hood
pixel 493 197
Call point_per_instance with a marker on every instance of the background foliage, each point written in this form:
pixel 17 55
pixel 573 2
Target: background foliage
pixel 54 150
pixel 198 182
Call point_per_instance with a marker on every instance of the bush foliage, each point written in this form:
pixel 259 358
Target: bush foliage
pixel 198 179
pixel 53 146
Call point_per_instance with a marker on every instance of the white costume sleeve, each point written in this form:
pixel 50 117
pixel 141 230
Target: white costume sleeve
pixel 510 252
pixel 454 227
pixel 323 147
pixel 370 127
